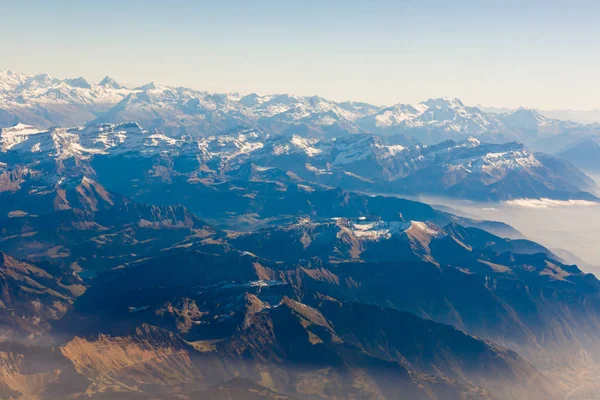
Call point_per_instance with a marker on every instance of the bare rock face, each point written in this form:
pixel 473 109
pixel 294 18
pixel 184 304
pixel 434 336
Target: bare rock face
pixel 16 383
pixel 31 299
pixel 148 357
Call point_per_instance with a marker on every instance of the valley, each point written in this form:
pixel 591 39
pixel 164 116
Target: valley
pixel 567 228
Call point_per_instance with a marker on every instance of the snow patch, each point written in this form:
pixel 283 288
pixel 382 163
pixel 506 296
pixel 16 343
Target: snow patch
pixel 424 227
pixel 307 145
pixel 376 230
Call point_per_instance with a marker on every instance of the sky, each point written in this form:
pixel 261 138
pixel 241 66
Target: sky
pixel 532 53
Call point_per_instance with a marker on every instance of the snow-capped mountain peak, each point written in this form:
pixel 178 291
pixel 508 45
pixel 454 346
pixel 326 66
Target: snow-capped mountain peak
pixel 10 80
pixel 79 83
pixel 35 82
pixel 85 142
pixel 526 117
pixel 109 83
pixel 443 102
pixel 398 114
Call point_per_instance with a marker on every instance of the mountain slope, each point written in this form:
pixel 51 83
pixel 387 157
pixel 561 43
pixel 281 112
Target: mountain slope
pixel 266 331
pixel 32 298
pixel 584 155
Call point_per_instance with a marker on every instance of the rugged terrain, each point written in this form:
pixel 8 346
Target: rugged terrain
pixel 44 101
pixel 254 247
pixel 134 299
pixel 143 164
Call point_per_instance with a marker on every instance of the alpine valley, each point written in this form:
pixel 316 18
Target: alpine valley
pixel 171 244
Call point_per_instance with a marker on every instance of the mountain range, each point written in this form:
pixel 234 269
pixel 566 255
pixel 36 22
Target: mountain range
pixel 580 116
pixel 43 101
pixel 154 161
pixel 259 247
pixel 136 299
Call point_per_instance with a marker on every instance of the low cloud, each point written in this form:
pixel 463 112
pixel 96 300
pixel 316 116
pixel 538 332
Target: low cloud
pixel 546 203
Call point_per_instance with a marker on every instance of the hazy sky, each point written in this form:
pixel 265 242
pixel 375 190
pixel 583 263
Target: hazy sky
pixel 535 53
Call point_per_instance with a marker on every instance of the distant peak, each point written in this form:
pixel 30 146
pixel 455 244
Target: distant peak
pixel 251 99
pixel 444 101
pixel 36 81
pixel 531 113
pixel 148 86
pixel 109 82
pixel 522 109
pixel 79 82
pixel 285 98
pixel 41 77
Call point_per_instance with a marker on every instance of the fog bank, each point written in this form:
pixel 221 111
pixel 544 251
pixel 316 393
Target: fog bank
pixel 573 226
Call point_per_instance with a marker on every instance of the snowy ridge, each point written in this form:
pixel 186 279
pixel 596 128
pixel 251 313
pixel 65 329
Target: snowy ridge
pixel 369 230
pixel 232 145
pixel 44 101
pixel 9 137
pixel 467 168
pixel 446 114
pixel 260 148
pixel 376 230
pixel 84 142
